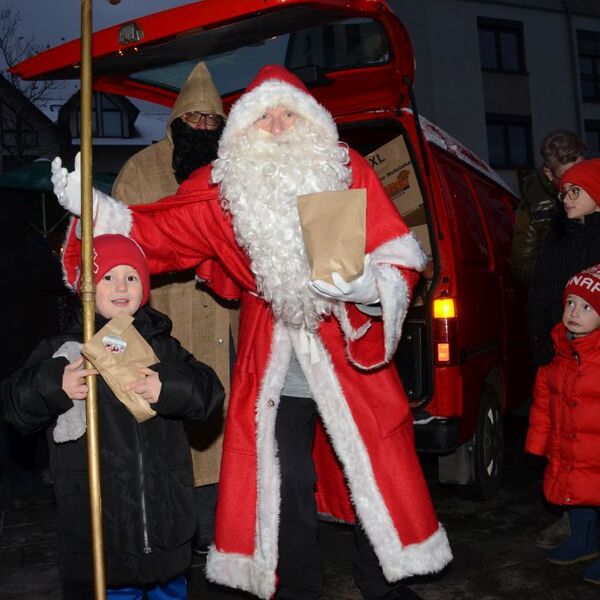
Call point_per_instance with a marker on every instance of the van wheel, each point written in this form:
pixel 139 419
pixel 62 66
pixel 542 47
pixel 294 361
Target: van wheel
pixel 487 449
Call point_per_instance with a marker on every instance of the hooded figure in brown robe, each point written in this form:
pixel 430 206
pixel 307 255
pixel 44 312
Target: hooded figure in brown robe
pixel 203 323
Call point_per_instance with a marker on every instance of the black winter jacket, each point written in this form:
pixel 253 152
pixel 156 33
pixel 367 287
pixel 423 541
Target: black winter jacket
pixel 539 217
pixel 146 472
pixel 559 260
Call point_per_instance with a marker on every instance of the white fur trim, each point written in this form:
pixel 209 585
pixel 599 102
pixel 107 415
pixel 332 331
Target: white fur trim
pixel 350 334
pixel 397 562
pixel 429 556
pixel 404 251
pixel 240 571
pixel 250 106
pixel 256 574
pixel 112 216
pixel 395 299
pixel 350 449
pixel 71 425
pixel 394 295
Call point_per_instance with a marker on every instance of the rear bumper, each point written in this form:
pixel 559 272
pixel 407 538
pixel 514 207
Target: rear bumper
pixel 438 435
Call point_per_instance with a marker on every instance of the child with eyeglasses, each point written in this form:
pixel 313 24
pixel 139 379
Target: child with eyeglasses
pixel 576 249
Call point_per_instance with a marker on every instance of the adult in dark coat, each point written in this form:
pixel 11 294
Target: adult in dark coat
pixel 539 216
pixel 577 249
pixel 30 288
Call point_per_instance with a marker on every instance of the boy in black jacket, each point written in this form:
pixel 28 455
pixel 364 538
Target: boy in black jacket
pixel 146 473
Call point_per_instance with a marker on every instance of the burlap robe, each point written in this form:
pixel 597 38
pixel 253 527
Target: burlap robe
pixel 200 323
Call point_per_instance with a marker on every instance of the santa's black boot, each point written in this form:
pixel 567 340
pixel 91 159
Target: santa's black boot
pixel 400 592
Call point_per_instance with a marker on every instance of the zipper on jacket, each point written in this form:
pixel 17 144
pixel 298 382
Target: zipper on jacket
pixel 141 480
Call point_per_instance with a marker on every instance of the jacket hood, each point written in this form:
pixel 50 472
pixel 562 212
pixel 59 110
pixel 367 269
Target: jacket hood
pixel 198 94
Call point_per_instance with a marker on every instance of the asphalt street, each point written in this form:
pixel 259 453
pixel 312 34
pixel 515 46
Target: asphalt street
pixel 495 557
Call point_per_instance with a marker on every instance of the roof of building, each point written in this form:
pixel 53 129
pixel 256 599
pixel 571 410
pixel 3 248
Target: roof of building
pixel 150 124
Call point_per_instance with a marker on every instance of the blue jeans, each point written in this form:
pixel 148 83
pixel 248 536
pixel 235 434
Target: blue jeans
pixel 174 589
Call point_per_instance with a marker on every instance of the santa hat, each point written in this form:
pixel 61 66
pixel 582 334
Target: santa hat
pixel 111 250
pixel 586 285
pixel 586 175
pixel 275 85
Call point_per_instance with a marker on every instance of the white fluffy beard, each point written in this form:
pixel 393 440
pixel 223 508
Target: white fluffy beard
pixel 260 177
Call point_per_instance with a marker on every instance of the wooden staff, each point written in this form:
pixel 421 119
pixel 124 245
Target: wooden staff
pixel 88 295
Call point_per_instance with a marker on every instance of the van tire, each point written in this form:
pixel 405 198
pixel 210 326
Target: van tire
pixel 487 449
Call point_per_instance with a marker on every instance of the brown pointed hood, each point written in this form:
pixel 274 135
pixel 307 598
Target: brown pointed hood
pixel 198 93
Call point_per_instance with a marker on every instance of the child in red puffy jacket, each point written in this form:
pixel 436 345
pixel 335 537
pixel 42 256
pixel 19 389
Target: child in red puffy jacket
pixel 564 422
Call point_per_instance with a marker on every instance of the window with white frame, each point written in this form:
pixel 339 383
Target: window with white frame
pixel 108 119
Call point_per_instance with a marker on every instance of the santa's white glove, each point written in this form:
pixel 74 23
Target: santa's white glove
pixel 361 290
pixel 67 186
pixel 110 215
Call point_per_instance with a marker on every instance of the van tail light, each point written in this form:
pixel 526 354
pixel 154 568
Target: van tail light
pixel 444 331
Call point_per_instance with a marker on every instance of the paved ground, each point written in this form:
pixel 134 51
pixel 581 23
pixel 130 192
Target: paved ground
pixel 493 545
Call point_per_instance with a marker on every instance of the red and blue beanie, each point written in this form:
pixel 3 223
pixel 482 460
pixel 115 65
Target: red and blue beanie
pixel 586 284
pixel 111 250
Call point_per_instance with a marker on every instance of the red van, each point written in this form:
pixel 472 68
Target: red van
pixel 462 356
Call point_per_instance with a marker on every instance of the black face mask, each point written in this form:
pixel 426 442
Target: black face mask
pixel 192 148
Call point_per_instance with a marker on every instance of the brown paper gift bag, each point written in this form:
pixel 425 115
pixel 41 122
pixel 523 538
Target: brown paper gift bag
pixel 333 227
pixel 117 351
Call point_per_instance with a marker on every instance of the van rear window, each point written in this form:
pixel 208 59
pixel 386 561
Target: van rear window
pixel 309 51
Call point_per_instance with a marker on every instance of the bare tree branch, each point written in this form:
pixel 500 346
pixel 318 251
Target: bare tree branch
pixel 14 48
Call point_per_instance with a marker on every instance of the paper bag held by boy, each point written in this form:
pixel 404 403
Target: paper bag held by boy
pixel 117 351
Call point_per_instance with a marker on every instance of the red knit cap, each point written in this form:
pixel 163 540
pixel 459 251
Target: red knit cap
pixel 586 175
pixel 586 284
pixel 111 250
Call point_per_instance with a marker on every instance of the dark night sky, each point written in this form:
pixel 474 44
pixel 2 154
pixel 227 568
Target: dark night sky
pixel 50 20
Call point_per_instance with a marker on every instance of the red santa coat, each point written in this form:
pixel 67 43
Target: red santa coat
pixel 564 422
pixel 359 396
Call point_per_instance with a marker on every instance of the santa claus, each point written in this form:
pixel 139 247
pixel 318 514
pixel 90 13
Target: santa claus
pixel 313 370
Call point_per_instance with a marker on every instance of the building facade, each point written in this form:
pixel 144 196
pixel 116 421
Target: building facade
pixel 500 74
